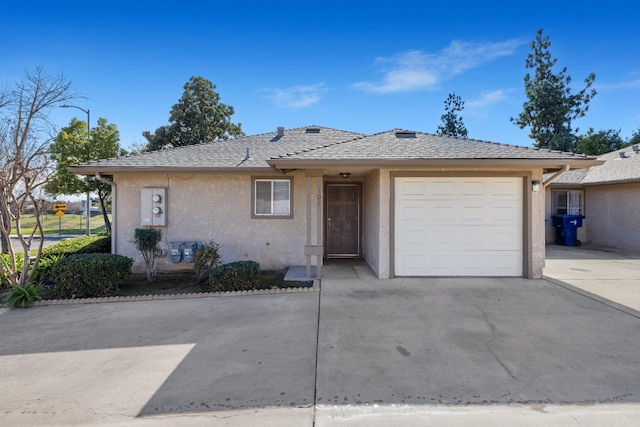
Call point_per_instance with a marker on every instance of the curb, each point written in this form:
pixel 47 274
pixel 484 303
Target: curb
pixel 602 300
pixel 314 288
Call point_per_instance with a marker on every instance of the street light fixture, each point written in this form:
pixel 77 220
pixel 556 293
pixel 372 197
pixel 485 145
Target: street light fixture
pixel 88 206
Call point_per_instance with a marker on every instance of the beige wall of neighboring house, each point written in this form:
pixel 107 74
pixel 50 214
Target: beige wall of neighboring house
pixel 613 215
pixel 216 207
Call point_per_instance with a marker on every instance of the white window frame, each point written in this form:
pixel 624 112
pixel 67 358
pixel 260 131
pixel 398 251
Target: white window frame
pixel 571 202
pixel 274 211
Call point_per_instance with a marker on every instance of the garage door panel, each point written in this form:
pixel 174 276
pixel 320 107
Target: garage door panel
pixel 459 226
pixel 463 263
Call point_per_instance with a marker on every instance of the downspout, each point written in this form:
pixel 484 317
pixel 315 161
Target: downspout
pixel 556 175
pixel 113 210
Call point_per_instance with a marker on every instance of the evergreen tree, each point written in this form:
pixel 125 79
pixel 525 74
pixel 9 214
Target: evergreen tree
pixel 551 106
pixel 198 117
pixel 452 124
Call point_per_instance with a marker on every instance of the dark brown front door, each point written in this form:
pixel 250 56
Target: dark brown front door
pixel 343 220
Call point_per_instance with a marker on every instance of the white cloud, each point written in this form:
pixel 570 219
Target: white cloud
pixel 418 70
pixel 296 96
pixel 478 106
pixel 630 84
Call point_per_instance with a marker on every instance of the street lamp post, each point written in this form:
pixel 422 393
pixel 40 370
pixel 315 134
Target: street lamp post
pixel 88 206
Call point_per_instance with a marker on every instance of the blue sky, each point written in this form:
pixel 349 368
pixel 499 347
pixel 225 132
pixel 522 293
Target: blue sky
pixel 360 66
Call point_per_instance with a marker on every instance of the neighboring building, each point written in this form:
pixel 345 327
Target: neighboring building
pixel 608 196
pixel 408 203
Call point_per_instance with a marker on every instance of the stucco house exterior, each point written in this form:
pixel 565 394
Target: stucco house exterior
pixel 607 195
pixel 408 203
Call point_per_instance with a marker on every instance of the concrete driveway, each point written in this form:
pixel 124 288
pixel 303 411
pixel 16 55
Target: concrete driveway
pixel 389 352
pixel 187 362
pixel 603 272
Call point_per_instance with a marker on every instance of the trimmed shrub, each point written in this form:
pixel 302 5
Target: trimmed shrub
pixel 235 276
pixel 206 258
pixel 89 275
pixel 44 267
pixel 80 245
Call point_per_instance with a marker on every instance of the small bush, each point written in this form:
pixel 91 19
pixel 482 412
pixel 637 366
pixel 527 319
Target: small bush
pixel 206 258
pixel 5 278
pixel 89 275
pixel 147 241
pixel 44 267
pixel 24 296
pixel 235 276
pixel 80 245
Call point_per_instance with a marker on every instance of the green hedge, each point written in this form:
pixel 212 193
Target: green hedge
pixel 235 276
pixel 89 275
pixel 80 245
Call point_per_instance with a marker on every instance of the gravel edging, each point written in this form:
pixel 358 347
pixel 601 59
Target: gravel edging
pixel 314 288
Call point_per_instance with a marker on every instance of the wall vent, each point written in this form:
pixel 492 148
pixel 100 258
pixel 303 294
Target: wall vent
pixel 405 134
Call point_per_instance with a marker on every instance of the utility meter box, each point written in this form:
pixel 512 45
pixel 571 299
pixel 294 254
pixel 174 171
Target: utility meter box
pixel 153 206
pixel 176 255
pixel 188 252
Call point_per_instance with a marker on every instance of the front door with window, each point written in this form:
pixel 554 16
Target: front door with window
pixel 343 220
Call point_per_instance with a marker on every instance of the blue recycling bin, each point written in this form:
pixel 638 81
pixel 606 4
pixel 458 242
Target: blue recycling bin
pixel 567 229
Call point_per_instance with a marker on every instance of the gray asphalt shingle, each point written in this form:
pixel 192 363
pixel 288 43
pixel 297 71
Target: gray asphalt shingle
pixel 320 143
pixel 387 145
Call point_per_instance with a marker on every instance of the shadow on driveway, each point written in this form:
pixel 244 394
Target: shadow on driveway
pixel 237 352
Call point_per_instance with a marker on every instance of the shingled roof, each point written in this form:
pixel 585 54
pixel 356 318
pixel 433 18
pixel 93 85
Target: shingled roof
pixel 321 145
pixel 619 166
pixel 246 153
pixel 407 145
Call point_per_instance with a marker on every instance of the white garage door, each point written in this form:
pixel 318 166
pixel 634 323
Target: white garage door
pixel 458 226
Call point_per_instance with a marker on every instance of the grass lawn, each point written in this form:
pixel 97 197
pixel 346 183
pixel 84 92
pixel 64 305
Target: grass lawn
pixel 68 224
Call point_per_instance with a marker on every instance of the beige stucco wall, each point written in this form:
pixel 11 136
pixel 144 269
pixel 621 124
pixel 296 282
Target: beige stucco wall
pixel 612 211
pixel 371 220
pixel 213 207
pixel 205 207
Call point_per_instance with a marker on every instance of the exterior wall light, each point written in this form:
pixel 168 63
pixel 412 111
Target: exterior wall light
pixel 535 185
pixel 345 175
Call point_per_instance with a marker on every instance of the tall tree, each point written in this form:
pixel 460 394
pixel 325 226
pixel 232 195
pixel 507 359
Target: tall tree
pixel 635 138
pixel 71 147
pixel 551 105
pixel 452 124
pixel 198 117
pixel 604 141
pixel 25 136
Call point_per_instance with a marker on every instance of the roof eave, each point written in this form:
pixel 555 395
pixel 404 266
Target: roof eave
pixel 580 163
pixel 92 170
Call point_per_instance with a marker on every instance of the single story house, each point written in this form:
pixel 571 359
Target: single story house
pixel 606 195
pixel 408 203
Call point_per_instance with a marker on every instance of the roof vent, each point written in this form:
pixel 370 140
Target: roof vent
pixel 623 155
pixel 405 134
pixel 280 131
pixel 312 130
pixel 636 148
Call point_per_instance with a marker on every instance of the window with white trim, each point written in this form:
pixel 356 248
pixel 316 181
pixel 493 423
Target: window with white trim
pixel 567 202
pixel 271 198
